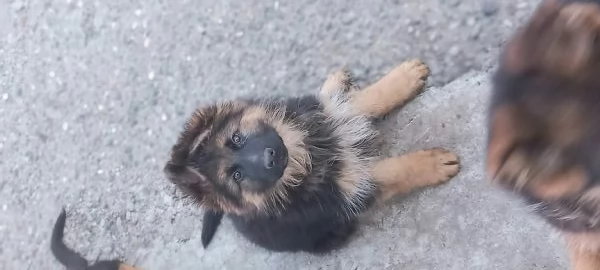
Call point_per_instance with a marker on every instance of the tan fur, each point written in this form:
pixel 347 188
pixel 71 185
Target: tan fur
pixel 123 266
pixel 558 42
pixel 349 111
pixel 198 141
pixel 393 90
pixel 348 183
pixel 251 118
pixel 394 175
pixel 584 249
pixel 293 139
pixel 568 37
pixel 338 81
pixel 591 196
pixel 352 126
pixel 502 138
pixel 403 174
pixel 568 125
pixel 354 182
pixel 540 175
pixel 298 163
pixel 560 185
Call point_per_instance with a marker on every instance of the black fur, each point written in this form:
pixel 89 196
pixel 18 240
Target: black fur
pixel 538 94
pixel 314 222
pixel 316 216
pixel 69 258
pixel 210 223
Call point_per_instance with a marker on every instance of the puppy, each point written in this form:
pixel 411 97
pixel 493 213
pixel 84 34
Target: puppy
pixel 71 259
pixel 295 174
pixel 544 130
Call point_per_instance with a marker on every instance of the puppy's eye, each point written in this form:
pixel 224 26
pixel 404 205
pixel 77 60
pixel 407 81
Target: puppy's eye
pixel 236 138
pixel 237 176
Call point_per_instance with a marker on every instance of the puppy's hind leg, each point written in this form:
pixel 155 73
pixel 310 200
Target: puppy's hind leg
pixel 392 90
pixel 403 174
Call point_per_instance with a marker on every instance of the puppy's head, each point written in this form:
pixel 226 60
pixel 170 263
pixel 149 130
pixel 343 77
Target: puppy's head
pixel 559 39
pixel 239 158
pixel 544 129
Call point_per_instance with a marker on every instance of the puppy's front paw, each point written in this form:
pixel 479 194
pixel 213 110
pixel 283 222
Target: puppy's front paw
pixel 437 165
pixel 414 73
pixel 338 82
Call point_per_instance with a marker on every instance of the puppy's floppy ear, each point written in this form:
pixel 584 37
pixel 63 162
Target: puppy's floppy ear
pixel 210 223
pixel 176 169
pixel 191 182
pixel 522 50
pixel 178 174
pixel 181 174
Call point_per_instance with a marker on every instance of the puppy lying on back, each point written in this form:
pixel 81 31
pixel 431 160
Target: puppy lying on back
pixel 295 174
pixel 71 259
pixel 544 139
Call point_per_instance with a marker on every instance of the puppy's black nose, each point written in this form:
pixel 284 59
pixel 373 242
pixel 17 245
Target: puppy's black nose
pixel 269 158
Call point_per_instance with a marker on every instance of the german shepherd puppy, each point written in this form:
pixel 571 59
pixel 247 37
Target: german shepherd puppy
pixel 544 125
pixel 71 259
pixel 294 174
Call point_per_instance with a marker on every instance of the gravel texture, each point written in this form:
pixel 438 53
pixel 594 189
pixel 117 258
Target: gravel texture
pixel 94 93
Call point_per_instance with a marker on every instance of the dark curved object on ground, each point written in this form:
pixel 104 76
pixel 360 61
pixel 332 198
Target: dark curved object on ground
pixel 73 260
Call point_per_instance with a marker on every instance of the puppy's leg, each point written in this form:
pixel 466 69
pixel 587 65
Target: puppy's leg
pixel 338 82
pixel 584 249
pixel 402 174
pixel 584 260
pixel 392 90
pixel 123 266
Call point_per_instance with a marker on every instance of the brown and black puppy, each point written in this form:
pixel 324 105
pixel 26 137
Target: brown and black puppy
pixel 71 259
pixel 294 174
pixel 544 140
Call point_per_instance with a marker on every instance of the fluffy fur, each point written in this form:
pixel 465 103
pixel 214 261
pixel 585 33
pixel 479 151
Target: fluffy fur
pixel 330 177
pixel 544 139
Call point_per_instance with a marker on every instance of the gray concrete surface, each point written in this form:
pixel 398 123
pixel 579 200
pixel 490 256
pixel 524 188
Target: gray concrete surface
pixel 93 93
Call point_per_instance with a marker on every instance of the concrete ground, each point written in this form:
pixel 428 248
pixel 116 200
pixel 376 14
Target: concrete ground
pixel 93 94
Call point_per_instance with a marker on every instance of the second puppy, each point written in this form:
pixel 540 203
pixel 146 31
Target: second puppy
pixel 544 128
